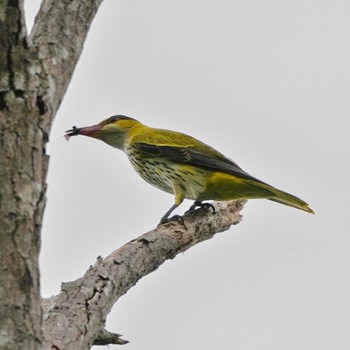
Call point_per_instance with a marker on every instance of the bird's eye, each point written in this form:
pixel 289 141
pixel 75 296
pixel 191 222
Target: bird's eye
pixel 113 119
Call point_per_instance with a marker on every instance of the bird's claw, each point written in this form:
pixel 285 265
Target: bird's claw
pixel 199 204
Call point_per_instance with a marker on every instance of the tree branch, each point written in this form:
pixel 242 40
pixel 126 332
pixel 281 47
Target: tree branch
pixel 75 318
pixel 58 35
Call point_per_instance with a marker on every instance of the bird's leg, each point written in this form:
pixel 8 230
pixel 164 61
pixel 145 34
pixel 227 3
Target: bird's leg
pixel 200 204
pixel 165 218
pixel 179 197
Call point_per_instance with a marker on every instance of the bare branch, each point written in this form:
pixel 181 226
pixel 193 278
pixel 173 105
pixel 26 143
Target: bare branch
pixel 59 32
pixel 75 318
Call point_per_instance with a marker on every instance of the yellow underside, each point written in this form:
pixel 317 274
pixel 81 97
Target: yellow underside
pixel 221 186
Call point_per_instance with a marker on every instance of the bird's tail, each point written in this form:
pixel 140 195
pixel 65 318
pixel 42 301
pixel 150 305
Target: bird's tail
pixel 290 200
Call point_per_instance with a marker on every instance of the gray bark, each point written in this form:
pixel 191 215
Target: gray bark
pixel 34 74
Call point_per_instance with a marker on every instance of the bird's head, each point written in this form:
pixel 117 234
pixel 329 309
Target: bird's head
pixel 113 130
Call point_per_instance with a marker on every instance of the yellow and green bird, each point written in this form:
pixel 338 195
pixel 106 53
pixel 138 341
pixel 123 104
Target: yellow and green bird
pixel 182 165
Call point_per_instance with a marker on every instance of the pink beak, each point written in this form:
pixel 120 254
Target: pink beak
pixel 90 131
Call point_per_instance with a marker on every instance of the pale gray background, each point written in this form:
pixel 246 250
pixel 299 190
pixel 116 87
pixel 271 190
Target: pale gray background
pixel 265 82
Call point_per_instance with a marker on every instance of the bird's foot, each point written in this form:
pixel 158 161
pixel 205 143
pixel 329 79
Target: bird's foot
pixel 177 218
pixel 199 204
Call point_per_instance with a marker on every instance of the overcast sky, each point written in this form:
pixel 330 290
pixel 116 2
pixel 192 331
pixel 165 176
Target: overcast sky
pixel 265 82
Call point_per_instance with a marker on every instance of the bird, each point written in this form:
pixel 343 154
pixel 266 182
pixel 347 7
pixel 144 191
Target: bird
pixel 182 165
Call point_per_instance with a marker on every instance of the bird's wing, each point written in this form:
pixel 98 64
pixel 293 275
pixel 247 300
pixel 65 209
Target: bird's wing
pixel 203 156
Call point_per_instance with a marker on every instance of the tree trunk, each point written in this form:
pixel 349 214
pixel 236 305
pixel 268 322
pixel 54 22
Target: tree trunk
pixel 34 74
